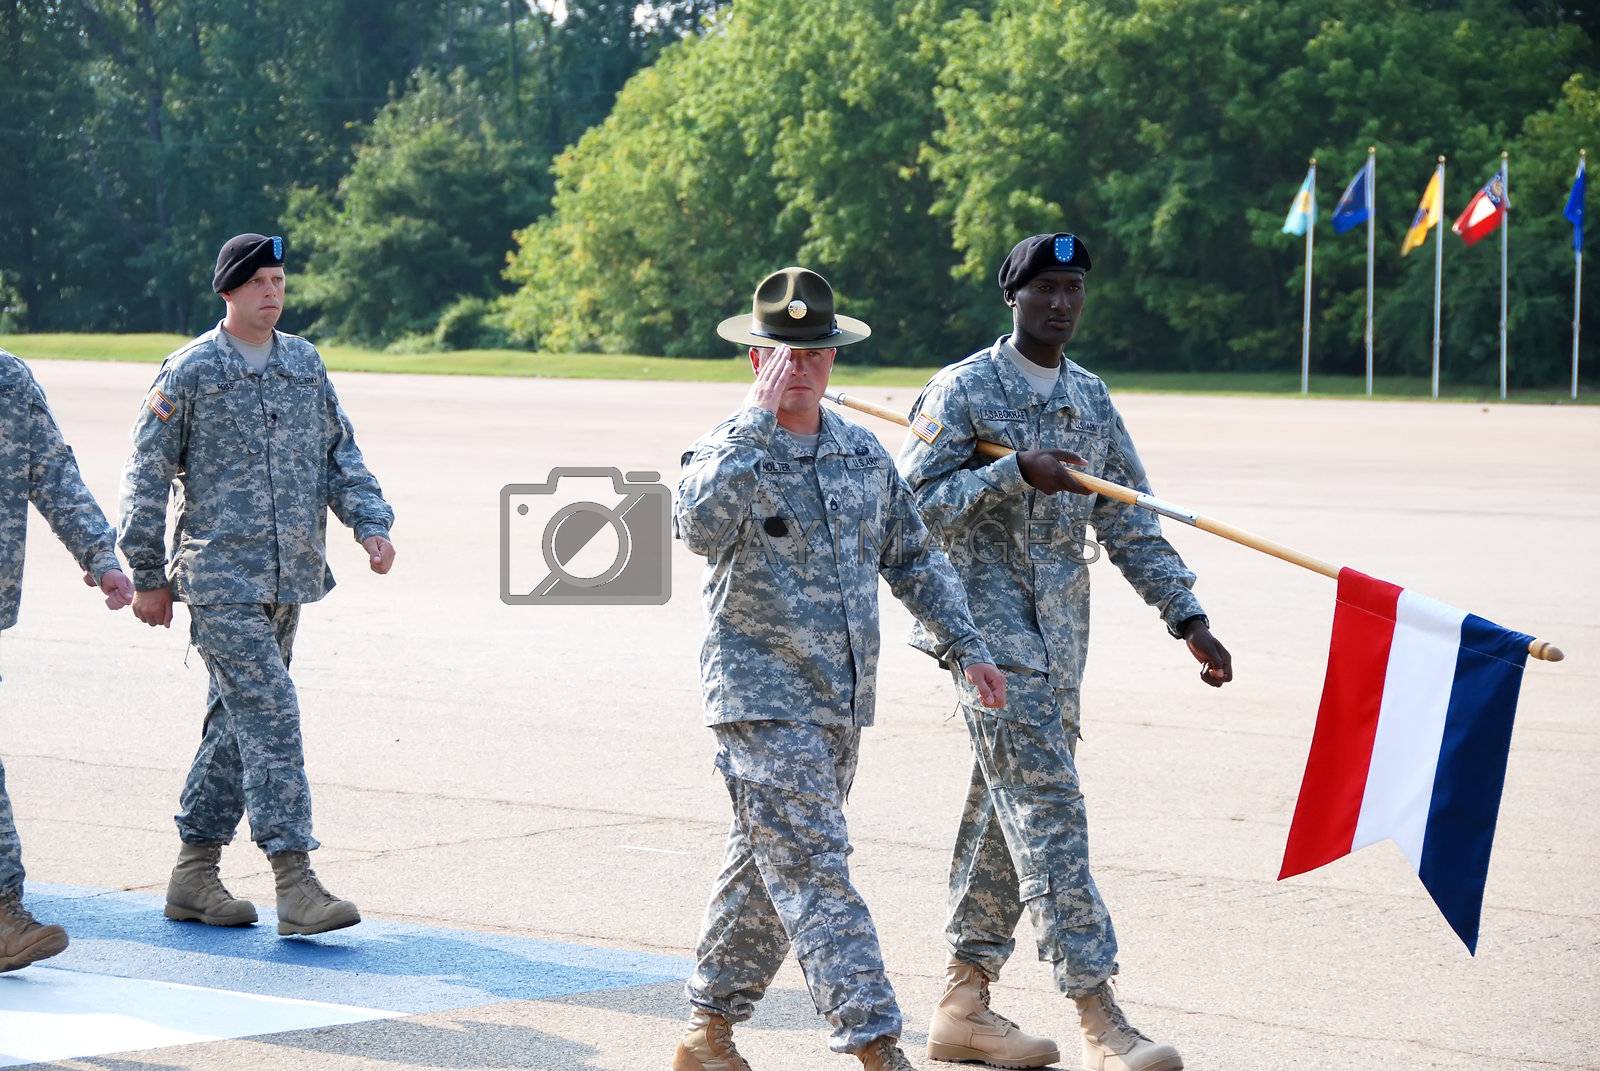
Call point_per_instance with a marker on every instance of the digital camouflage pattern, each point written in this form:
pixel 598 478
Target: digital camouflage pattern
pixel 792 547
pixel 1022 554
pixel 1023 842
pixel 11 872
pixel 250 758
pixel 257 461
pixel 37 465
pixel 785 880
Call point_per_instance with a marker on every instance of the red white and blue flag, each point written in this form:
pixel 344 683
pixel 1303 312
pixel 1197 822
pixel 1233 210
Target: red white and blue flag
pixel 1486 210
pixel 1411 742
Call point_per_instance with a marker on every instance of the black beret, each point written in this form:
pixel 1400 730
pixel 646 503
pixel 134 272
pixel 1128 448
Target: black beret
pixel 1042 252
pixel 240 258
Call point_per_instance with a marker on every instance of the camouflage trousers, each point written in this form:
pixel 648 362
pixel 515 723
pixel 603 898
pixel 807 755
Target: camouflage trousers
pixel 785 880
pixel 10 845
pixel 1023 841
pixel 250 758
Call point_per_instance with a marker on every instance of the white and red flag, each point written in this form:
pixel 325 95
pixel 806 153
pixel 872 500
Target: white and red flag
pixel 1486 210
pixel 1411 742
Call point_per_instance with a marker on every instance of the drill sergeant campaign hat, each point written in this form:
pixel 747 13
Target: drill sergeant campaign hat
pixel 1042 252
pixel 793 307
pixel 241 256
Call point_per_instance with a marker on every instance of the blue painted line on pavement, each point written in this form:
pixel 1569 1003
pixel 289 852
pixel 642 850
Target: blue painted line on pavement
pixel 389 965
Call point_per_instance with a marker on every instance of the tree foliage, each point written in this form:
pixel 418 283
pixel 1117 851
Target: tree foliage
pixel 901 146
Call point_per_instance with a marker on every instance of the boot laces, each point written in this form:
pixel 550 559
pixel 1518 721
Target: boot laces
pixel 983 996
pixel 1118 1018
pixel 12 910
pixel 719 1035
pixel 310 882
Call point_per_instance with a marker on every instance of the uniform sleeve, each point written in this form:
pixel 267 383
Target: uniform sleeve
pixel 719 480
pixel 56 488
pixel 159 436
pixel 947 492
pixel 922 578
pixel 1133 541
pixel 353 492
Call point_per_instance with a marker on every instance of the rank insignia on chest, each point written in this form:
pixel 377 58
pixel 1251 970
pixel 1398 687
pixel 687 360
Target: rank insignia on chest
pixel 161 406
pixel 926 428
pixel 1014 415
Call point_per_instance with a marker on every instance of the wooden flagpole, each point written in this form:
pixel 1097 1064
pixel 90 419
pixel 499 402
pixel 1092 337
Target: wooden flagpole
pixel 1538 648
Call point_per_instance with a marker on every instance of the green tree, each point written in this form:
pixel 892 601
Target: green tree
pixel 424 216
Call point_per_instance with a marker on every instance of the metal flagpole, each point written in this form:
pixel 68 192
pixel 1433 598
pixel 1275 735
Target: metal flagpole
pixel 1305 329
pixel 1438 275
pixel 1505 241
pixel 1577 290
pixel 1372 212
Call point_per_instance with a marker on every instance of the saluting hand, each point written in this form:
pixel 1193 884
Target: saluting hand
pixel 1210 653
pixel 989 681
pixel 1049 471
pixel 154 607
pixel 380 553
pixel 772 377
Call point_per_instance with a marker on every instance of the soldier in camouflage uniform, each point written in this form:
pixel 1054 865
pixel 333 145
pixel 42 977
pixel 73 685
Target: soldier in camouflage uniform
pixel 1020 546
pixel 245 424
pixel 798 513
pixel 36 465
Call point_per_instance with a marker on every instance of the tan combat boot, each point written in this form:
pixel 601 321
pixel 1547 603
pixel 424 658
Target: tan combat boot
pixel 965 1030
pixel 708 1046
pixel 304 905
pixel 884 1055
pixel 23 938
pixel 195 892
pixel 1111 1044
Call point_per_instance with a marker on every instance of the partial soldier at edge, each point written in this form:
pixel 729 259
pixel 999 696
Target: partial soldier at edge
pixel 37 465
pixel 244 427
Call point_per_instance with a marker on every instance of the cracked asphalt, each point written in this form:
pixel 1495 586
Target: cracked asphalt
pixel 542 770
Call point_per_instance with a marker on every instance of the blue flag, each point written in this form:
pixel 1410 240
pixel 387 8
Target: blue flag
pixel 1356 204
pixel 1574 209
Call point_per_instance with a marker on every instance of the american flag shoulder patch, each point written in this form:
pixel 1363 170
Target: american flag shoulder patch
pixel 161 406
pixel 926 428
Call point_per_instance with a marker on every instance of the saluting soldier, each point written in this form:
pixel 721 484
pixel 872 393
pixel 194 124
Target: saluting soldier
pixel 1015 530
pixel 798 512
pixel 37 465
pixel 245 424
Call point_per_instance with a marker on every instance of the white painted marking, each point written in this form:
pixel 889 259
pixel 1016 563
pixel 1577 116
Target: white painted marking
pixel 50 1014
pixel 658 851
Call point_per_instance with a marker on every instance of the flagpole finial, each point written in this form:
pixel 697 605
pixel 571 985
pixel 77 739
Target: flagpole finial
pixel 1372 150
pixel 1313 161
pixel 1504 154
pixel 1441 159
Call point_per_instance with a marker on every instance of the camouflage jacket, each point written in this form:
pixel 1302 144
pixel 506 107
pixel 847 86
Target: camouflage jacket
pixel 36 465
pixel 1024 555
pixel 257 461
pixel 791 596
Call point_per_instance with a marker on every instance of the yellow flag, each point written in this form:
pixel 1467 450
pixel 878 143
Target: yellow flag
pixel 1429 212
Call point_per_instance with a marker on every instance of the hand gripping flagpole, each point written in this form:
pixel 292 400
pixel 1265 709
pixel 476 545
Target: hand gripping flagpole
pixel 1538 648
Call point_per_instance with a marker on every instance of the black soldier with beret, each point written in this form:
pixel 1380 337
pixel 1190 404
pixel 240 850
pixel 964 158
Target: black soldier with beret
pixel 1022 550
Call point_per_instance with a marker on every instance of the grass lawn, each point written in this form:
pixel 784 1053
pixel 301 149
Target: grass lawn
pixel 151 348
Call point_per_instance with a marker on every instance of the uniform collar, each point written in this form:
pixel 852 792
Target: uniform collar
pixel 233 361
pixel 831 436
pixel 1019 392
